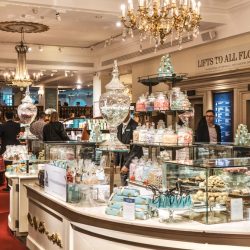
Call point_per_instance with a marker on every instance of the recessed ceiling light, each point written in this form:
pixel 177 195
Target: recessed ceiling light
pixel 29 49
pixel 118 24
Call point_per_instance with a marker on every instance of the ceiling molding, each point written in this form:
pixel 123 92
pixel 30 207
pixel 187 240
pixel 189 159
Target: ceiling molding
pixel 37 62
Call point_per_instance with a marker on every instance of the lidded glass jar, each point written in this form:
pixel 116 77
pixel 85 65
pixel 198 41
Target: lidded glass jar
pixel 175 98
pixel 161 102
pixel 27 113
pixel 150 103
pixel 136 134
pixel 141 104
pixel 114 106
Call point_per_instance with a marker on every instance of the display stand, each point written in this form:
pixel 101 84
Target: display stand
pixel 153 80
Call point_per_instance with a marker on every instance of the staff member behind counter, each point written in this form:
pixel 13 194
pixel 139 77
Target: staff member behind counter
pixel 207 130
pixel 125 135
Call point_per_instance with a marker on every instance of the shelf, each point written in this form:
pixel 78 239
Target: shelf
pixel 142 144
pixel 170 112
pixel 137 183
pixel 156 79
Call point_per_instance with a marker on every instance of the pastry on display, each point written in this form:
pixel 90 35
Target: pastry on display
pixel 214 183
pixel 236 170
pixel 196 180
pixel 240 192
pixel 213 197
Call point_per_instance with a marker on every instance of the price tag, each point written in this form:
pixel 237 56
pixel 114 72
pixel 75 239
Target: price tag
pixel 236 209
pixel 129 209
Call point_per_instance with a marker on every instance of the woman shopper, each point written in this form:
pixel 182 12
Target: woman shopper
pixel 54 130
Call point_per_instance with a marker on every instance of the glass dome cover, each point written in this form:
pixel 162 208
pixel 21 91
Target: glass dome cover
pixel 27 113
pixel 114 106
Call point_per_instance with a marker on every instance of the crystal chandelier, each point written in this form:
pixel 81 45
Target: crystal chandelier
pixel 160 19
pixel 21 78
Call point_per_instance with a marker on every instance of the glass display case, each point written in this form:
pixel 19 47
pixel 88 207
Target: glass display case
pixel 74 126
pixel 219 188
pixel 213 151
pixel 70 150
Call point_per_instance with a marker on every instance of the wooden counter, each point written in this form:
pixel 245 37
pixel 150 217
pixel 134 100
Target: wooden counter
pixel 80 227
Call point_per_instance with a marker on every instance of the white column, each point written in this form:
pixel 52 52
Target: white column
pixel 97 91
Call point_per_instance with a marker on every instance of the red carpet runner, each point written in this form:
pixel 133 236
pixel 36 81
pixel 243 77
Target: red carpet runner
pixel 7 239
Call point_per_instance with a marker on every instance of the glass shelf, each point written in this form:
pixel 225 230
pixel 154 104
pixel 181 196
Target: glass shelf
pixel 144 144
pixel 213 163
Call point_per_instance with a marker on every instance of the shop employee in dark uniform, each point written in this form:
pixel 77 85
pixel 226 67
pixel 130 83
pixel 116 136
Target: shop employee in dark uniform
pixel 8 134
pixel 9 131
pixel 207 130
pixel 125 135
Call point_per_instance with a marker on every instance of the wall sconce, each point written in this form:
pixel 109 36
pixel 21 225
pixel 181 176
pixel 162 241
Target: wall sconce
pixel 41 91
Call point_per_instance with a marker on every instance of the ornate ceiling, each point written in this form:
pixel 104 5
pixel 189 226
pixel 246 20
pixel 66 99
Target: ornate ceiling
pixel 83 34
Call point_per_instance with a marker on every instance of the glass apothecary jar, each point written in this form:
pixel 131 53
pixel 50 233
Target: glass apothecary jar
pixel 114 106
pixel 141 104
pixel 150 103
pixel 175 99
pixel 27 113
pixel 161 102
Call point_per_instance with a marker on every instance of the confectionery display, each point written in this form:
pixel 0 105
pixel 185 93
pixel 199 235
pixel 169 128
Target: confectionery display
pixel 16 153
pixel 242 137
pixel 142 203
pixel 166 68
pixel 173 100
pixel 148 134
pixel 145 171
pixel 178 100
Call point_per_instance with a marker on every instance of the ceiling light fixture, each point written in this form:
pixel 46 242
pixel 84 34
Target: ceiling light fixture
pixel 21 78
pixel 159 19
pixel 78 87
pixel 40 91
pixel 118 24
pixel 58 17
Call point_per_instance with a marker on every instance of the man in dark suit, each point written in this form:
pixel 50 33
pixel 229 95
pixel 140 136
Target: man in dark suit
pixel 125 135
pixel 9 131
pixel 8 134
pixel 207 130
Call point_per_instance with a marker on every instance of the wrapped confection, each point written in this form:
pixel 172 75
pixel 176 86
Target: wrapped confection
pixel 159 135
pixel 169 137
pixel 143 134
pixel 132 168
pixel 136 134
pixel 185 136
pixel 155 177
